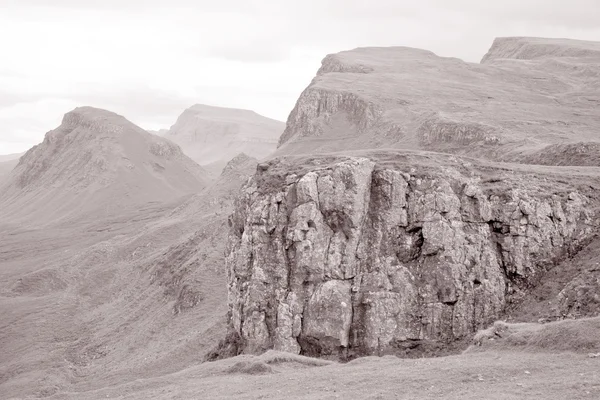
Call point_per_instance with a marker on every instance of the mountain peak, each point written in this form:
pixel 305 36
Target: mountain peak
pixel 98 154
pixel 96 119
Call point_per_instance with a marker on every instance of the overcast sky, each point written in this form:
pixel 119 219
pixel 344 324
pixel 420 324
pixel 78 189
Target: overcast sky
pixel 149 60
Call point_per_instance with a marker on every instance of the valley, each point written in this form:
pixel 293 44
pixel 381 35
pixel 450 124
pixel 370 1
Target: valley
pixel 409 203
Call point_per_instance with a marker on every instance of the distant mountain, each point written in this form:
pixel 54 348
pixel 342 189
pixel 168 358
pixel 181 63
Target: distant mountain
pixel 526 95
pixel 10 157
pixel 160 132
pixel 214 135
pixel 532 48
pixel 97 161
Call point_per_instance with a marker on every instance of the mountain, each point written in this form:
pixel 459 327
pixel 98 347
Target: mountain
pixel 213 135
pixel 532 48
pixel 107 298
pixel 96 161
pixel 348 242
pixel 527 95
pixel 389 220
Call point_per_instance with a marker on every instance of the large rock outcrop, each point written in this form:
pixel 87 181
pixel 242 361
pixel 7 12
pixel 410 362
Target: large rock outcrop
pixel 366 256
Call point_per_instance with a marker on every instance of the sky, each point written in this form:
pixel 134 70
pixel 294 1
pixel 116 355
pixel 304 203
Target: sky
pixel 149 60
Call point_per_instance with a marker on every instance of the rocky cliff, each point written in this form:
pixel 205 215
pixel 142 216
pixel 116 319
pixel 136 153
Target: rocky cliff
pixel 370 256
pixel 362 251
pixel 526 95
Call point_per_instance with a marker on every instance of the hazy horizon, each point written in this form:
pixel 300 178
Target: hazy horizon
pixel 149 62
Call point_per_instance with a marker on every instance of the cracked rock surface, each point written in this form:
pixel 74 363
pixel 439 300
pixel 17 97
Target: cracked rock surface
pixel 357 255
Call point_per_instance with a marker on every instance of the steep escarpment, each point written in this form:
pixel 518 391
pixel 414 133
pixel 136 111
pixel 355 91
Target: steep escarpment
pixel 526 94
pixel 364 256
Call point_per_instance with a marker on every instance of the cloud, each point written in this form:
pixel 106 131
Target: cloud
pixel 576 14
pixel 250 52
pixel 24 124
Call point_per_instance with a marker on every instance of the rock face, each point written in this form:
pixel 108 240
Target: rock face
pixel 527 94
pixel 581 296
pixel 363 256
pixel 214 135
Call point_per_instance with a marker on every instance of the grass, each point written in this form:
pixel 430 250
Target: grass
pixel 250 368
pixel 577 336
pixel 276 357
pixel 490 375
pixel 262 364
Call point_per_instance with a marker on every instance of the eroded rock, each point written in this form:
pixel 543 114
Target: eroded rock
pixel 359 257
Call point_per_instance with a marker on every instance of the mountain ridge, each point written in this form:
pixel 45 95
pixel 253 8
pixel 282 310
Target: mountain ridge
pixel 404 98
pixel 93 156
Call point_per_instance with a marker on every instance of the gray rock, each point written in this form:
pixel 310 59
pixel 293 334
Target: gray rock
pixel 359 256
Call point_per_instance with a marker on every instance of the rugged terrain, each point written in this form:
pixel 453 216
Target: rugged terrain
pixel 526 95
pixel 92 295
pixel 407 251
pixel 390 252
pixel 211 136
pixel 413 200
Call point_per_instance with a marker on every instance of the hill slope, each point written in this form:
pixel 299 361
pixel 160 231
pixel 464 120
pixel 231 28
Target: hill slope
pixel 6 167
pixel 522 366
pixel 96 161
pixel 114 298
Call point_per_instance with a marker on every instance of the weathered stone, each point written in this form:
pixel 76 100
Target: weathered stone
pixel 361 257
pixel 328 315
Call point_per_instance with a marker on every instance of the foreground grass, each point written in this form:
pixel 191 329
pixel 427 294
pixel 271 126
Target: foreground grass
pixel 529 361
pixel 480 375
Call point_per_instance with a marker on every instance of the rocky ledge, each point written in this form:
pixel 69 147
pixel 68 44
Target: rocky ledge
pixel 358 257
